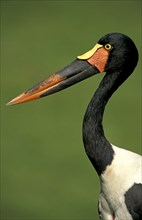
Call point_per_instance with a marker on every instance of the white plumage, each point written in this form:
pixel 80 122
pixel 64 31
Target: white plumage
pixel 121 175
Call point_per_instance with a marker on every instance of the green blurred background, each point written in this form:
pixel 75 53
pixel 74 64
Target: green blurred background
pixel 45 173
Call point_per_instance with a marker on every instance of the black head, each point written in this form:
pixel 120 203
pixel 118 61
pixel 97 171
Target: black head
pixel 115 54
pixel 123 56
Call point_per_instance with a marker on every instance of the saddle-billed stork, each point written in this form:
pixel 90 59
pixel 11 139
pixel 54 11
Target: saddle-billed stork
pixel 119 170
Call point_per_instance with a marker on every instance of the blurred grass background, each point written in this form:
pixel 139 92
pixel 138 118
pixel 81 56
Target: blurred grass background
pixel 45 173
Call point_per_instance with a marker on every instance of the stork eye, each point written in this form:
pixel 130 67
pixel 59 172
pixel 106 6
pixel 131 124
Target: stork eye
pixel 108 47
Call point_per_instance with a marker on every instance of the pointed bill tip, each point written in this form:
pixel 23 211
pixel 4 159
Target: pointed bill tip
pixel 36 91
pixel 9 103
pixel 12 102
pixel 19 99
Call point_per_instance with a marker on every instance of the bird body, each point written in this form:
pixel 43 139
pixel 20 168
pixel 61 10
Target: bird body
pixel 115 182
pixel 119 170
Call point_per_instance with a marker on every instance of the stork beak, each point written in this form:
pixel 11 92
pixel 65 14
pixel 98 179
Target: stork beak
pixel 84 66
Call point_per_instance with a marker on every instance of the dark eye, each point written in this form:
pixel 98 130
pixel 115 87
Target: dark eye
pixel 108 47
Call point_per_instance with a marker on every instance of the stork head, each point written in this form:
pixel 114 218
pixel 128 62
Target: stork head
pixel 113 52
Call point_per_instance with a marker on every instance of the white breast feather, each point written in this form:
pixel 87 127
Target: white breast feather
pixel 118 178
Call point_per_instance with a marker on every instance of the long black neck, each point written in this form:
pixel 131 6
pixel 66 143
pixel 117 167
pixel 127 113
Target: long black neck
pixel 98 149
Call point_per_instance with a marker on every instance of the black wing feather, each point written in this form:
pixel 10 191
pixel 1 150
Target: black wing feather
pixel 133 200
